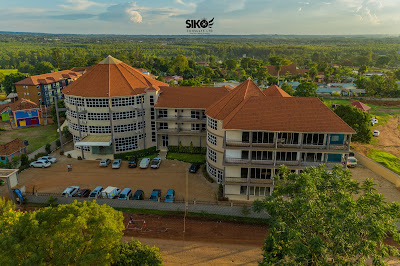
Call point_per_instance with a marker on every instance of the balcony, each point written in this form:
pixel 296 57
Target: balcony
pixel 238 180
pixel 288 163
pixel 182 119
pixel 236 143
pixel 247 161
pixel 179 131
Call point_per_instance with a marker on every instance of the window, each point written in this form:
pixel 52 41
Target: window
pixel 38 93
pixel 152 113
pixel 153 137
pixel 153 125
pixel 125 128
pixel 139 99
pixel 260 173
pixel 196 127
pixel 211 138
pixel 163 125
pixel 97 102
pixel 243 190
pixel 142 125
pixel 259 191
pixel 286 156
pixel 261 155
pixel 288 138
pixel 98 116
pixel 76 127
pixel 212 155
pixel 212 123
pixel 335 138
pixel 311 157
pixel 141 113
pixel 124 115
pixel 245 137
pixel 220 176
pixel 126 101
pixel 126 144
pixel 99 129
pixel 195 114
pixel 151 99
pixel 211 170
pixel 162 113
pixel 313 139
pixel 263 137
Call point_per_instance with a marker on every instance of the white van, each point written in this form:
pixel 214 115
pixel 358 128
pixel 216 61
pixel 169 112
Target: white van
pixel 110 192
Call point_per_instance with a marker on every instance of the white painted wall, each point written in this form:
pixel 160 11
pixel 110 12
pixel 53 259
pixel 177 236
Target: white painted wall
pixel 233 154
pixel 232 189
pixel 234 135
pixel 232 171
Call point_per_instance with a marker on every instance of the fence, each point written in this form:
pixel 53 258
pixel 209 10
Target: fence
pixel 53 147
pixel 378 168
pixel 225 208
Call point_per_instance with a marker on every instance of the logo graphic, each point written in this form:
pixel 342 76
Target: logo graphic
pixel 199 26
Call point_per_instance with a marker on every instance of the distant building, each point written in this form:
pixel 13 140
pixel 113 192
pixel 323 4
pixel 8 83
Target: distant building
pixel 81 70
pixel 41 88
pixel 13 148
pixel 23 112
pixel 146 72
pixel 361 106
pixel 230 83
pixel 13 97
pixel 369 74
pixel 292 69
pixel 175 79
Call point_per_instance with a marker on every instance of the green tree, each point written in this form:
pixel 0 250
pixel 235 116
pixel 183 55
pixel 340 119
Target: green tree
pixel 261 74
pixel 213 61
pixel 287 87
pixel 362 70
pixel 321 217
pixel 83 233
pixel 61 114
pixel 77 62
pixel 356 119
pixel 180 64
pixel 377 86
pixel 10 79
pixel 133 253
pixel 312 73
pixel 230 64
pixel 306 89
pixel 57 57
pixel 43 67
pixel 278 62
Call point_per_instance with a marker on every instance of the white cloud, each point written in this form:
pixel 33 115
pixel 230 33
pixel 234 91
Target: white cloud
pixel 134 15
pixel 79 5
pixel 299 9
pixel 185 4
pixel 22 10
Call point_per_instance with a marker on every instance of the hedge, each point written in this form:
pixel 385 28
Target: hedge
pixel 138 154
pixel 187 149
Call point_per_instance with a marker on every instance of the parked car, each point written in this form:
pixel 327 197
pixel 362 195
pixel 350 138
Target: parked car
pixel 170 197
pixel 105 162
pixel 70 191
pixel 96 192
pixel 139 195
pixel 40 164
pixel 144 163
pixel 155 195
pixel 126 194
pixel 155 163
pixel 116 164
pixel 83 193
pixel 351 162
pixel 133 162
pixel 48 158
pixel 375 133
pixel 110 192
pixel 194 167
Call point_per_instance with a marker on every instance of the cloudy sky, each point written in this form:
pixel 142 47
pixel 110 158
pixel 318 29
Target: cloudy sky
pixel 230 16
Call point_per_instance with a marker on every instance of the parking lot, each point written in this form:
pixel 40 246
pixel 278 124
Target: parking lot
pixel 88 174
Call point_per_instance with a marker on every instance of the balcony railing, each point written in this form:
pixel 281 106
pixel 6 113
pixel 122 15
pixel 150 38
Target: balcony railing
pixel 288 163
pixel 235 180
pixel 181 131
pixel 182 118
pixel 248 161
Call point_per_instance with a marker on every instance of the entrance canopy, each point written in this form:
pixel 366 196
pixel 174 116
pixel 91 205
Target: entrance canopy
pixel 93 140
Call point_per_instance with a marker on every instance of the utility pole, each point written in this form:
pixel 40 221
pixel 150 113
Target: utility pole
pixel 79 126
pixel 111 125
pixel 58 119
pixel 186 200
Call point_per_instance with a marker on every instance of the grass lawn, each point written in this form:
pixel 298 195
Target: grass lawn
pixel 187 157
pixel 386 159
pixel 37 136
pixel 329 102
pixel 8 71
pixel 3 96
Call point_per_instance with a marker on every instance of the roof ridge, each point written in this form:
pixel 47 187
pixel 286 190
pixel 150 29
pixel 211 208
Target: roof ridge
pixel 126 80
pixel 133 73
pixel 235 111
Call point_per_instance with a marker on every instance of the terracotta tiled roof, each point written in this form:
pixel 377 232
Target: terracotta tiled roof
pixel 11 147
pixel 286 114
pixel 275 91
pixel 110 78
pixel 227 104
pixel 48 77
pixel 190 97
pixel 21 104
pixel 361 106
pixel 81 69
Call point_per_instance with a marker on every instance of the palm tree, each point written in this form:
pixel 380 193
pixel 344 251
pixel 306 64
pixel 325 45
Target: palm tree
pixel 278 62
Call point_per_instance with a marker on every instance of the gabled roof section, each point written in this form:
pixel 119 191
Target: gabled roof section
pixel 286 114
pixel 275 91
pixel 11 147
pixel 190 97
pixel 361 106
pixel 111 78
pixel 21 104
pixel 49 77
pixel 226 105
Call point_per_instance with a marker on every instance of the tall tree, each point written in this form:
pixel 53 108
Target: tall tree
pixel 321 217
pixel 278 62
pixel 306 89
pixel 133 253
pixel 10 79
pixel 287 87
pixel 357 120
pixel 43 67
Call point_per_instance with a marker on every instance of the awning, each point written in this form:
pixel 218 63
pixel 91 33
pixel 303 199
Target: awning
pixel 93 140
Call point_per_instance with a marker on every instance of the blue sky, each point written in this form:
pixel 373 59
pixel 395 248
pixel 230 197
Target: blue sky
pixel 231 16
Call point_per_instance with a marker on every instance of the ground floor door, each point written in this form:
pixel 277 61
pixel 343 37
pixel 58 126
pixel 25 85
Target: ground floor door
pixel 164 140
pixel 35 121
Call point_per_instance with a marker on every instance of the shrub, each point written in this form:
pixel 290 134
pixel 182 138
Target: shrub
pixel 61 153
pixel 187 149
pixel 2 129
pixel 40 154
pixel 24 159
pixel 48 148
pixel 139 153
pixel 69 155
pixel 245 210
pixel 206 175
pixel 58 143
pixel 79 158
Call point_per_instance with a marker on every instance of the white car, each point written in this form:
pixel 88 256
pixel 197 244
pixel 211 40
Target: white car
pixel 48 158
pixel 144 163
pixel 116 164
pixel 374 120
pixel 105 162
pixel 375 133
pixel 351 162
pixel 70 191
pixel 40 164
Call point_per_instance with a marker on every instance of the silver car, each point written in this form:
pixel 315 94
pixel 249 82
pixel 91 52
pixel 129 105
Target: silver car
pixel 105 162
pixel 40 164
pixel 116 164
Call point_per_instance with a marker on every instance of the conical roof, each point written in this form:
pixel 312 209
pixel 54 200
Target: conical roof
pixel 275 91
pixel 110 78
pixel 226 105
